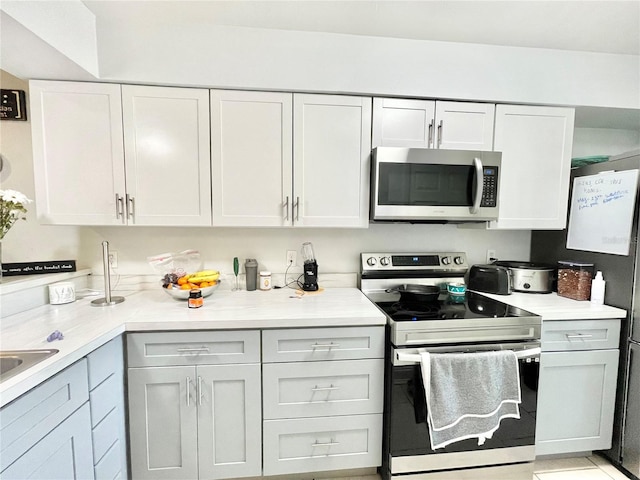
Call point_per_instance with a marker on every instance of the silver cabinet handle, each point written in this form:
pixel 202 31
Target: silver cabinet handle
pixel 439 133
pixel 199 390
pixel 130 206
pixel 325 444
pixel 430 135
pixel 286 208
pixel 322 389
pixel 296 205
pixel 119 206
pixel 477 163
pixel 188 391
pixel 578 335
pixel 325 345
pixel 193 350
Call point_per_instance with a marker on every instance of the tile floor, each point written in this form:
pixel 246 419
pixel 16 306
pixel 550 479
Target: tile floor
pixel 593 467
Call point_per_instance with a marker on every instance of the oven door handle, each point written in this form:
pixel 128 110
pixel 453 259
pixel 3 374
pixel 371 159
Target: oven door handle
pixel 417 358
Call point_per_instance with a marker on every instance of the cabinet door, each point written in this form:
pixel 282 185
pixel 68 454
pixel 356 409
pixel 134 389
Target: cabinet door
pixel 331 149
pixel 78 153
pixel 464 126
pixel 536 158
pixel 64 454
pixel 576 400
pixel 251 158
pixel 229 421
pixel 163 423
pixel 403 123
pixel 166 132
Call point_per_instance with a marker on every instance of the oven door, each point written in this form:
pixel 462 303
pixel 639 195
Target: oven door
pixel 407 436
pixel 431 185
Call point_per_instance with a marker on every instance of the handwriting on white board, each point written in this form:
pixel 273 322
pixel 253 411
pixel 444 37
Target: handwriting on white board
pixel 595 191
pixel 601 213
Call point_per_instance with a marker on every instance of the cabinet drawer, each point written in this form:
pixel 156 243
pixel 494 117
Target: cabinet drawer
pixel 110 465
pixel 30 417
pixel 311 344
pixel 294 390
pixel 580 335
pixel 105 398
pixel 318 444
pixel 193 348
pixel 105 361
pixel 106 434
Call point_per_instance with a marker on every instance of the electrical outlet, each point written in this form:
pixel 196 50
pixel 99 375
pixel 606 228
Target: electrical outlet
pixel 292 258
pixel 491 256
pixel 113 259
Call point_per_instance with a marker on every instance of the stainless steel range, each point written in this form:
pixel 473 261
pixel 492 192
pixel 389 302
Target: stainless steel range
pixel 442 323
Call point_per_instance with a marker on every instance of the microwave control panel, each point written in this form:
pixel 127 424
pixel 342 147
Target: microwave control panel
pixel 489 187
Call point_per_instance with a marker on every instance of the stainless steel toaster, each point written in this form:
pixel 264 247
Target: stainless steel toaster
pixel 490 279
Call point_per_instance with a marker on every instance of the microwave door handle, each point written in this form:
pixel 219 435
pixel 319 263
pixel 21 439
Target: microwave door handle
pixel 477 163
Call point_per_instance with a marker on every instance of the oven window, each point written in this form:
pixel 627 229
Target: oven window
pixel 408 432
pixel 412 184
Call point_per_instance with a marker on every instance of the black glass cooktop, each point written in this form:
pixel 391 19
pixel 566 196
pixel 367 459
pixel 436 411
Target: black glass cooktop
pixel 470 305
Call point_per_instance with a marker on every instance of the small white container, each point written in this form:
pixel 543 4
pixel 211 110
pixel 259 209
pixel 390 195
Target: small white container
pixel 265 280
pixel 597 289
pixel 62 292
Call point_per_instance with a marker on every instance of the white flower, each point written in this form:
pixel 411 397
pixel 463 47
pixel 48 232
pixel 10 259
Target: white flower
pixel 14 196
pixel 12 208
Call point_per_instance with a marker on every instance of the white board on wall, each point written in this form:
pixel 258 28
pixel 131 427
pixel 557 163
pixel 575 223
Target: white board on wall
pixel 601 213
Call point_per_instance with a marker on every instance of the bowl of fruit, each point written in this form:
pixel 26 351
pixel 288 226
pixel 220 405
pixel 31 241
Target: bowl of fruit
pixel 179 286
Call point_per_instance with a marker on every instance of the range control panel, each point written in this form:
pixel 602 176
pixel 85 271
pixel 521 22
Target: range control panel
pixel 427 262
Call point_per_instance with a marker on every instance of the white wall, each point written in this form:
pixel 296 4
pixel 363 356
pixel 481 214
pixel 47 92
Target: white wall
pixel 604 141
pixel 254 58
pixel 337 249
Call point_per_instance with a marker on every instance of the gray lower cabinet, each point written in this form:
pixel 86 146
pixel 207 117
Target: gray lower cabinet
pixel 576 394
pixel 63 454
pixel 322 399
pixel 194 419
pixel 106 395
pixel 70 427
pixel 46 433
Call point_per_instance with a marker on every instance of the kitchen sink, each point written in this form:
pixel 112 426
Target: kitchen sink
pixel 13 362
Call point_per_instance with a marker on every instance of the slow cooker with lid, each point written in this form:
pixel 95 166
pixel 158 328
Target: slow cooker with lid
pixel 529 276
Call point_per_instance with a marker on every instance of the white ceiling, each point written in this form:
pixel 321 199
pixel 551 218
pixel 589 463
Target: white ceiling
pixel 611 26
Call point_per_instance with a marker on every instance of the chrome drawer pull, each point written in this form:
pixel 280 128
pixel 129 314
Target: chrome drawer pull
pixel 199 390
pixel 325 345
pixel 326 444
pixel 321 389
pixel 188 383
pixel 193 350
pixel 579 335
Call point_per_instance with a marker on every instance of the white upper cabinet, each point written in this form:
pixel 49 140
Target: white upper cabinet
pixel 332 146
pixel 432 124
pixel 166 137
pixel 282 159
pixel 78 153
pixel 111 155
pixel 536 159
pixel 251 158
pixel 464 126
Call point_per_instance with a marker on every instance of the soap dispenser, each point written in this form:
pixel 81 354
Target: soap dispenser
pixel 597 289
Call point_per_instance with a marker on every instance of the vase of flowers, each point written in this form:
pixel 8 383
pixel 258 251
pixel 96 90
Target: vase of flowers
pixel 12 209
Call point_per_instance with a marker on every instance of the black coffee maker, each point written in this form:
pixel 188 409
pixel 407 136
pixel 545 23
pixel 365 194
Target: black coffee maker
pixel 310 268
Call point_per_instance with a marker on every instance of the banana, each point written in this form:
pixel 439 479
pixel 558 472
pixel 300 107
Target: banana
pixel 203 273
pixel 204 278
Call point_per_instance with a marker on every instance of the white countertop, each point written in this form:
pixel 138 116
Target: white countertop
pixel 550 306
pixel 86 327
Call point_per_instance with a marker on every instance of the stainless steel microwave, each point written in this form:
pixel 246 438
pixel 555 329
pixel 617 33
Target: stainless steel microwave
pixel 432 185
